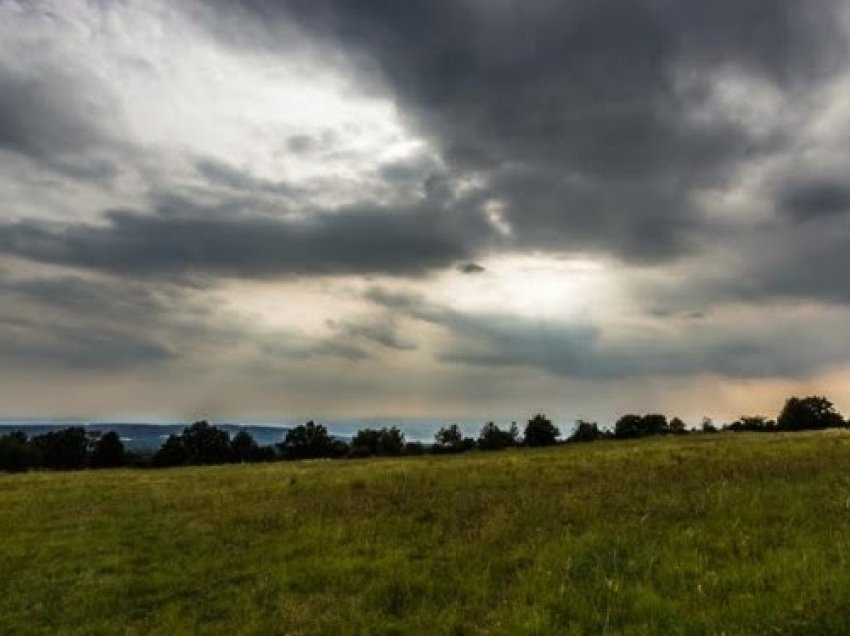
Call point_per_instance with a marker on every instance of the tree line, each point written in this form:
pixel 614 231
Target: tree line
pixel 202 443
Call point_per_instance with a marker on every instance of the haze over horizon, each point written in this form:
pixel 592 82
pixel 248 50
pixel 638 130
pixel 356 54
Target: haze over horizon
pixel 425 209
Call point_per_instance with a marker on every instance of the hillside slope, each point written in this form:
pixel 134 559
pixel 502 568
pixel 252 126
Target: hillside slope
pixel 699 534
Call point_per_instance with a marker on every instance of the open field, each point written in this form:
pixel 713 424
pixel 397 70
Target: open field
pixel 741 533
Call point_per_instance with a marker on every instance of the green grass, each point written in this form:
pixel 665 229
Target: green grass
pixel 704 534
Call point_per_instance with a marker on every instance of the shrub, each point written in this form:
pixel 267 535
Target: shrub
pixel 414 448
pixel 752 423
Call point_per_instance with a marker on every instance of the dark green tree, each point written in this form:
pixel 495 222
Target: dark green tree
pixel 308 441
pixel 631 426
pixel 813 412
pixel 540 431
pixel 243 448
pixel 655 424
pixel 677 426
pixel 384 441
pixel 206 444
pixel 171 453
pixel 752 424
pixel 492 437
pixel 17 454
pixel 585 432
pixel 65 449
pixel 628 426
pixel 449 439
pixel 108 451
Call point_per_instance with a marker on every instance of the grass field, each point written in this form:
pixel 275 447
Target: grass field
pixel 700 534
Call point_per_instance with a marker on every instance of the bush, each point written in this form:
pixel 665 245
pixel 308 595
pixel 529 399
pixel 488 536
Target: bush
pixel 752 423
pixel 414 448
pixel 492 437
pixel 540 431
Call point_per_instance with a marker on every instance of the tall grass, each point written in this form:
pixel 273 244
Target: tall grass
pixel 696 534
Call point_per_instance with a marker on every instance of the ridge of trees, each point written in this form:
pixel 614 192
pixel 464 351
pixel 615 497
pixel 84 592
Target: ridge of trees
pixel 202 443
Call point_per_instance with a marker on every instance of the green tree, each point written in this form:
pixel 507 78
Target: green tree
pixel 243 448
pixel 307 441
pixel 206 444
pixel 813 412
pixel 585 432
pixel 108 451
pixel 17 454
pixel 677 426
pixel 631 425
pixel 540 431
pixel 449 439
pixel 492 437
pixel 171 453
pixel 384 441
pixel 65 449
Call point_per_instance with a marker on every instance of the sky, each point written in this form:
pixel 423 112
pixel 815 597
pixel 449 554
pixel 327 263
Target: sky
pixel 268 209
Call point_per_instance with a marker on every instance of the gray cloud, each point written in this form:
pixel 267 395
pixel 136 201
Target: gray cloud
pixel 738 346
pixel 471 268
pixel 76 323
pixel 580 115
pixel 220 173
pixel 814 199
pixel 383 331
pixel 56 119
pixel 353 240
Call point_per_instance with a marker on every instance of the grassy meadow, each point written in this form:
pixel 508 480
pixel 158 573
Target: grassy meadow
pixel 699 534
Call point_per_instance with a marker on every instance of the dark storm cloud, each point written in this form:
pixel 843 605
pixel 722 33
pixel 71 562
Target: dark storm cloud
pixel 580 114
pixel 55 119
pixel 814 199
pixel 352 240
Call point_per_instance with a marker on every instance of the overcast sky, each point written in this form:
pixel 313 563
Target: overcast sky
pixel 429 208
